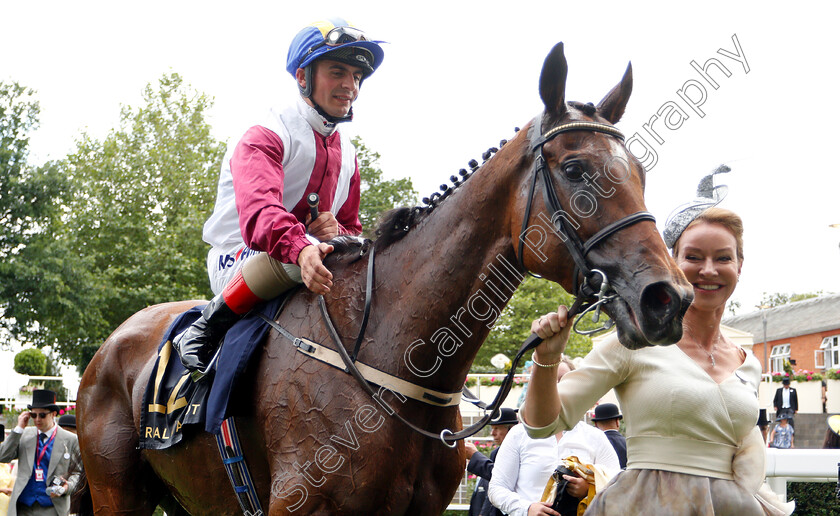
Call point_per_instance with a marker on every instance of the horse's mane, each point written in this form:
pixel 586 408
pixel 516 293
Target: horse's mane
pixel 396 223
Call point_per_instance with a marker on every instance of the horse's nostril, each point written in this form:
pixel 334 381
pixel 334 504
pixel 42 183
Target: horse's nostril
pixel 658 300
pixel 663 297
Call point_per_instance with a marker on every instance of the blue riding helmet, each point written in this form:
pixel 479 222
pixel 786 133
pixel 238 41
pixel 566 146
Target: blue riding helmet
pixel 337 38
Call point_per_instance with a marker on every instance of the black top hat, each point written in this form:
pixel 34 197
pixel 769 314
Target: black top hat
pixel 67 420
pixel 785 381
pixel 606 411
pixel 42 398
pixel 506 416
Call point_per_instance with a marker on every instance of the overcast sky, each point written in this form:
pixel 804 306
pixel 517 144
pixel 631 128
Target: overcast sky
pixel 458 76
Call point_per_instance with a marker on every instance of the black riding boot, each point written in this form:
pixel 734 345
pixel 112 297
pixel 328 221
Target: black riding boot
pixel 197 344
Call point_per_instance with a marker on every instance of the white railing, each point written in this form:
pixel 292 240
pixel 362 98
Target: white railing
pixel 800 465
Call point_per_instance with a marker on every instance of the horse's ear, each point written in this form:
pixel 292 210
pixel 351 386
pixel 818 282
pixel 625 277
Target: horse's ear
pixel 553 82
pixel 612 106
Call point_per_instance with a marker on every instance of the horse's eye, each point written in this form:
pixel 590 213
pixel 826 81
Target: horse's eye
pixel 573 170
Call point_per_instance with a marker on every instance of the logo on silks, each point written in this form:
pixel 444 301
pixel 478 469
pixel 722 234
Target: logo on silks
pixel 228 260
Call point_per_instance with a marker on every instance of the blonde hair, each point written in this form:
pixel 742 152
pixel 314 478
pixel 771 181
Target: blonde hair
pixel 726 218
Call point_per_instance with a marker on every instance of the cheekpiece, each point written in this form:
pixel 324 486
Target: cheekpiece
pixel 708 196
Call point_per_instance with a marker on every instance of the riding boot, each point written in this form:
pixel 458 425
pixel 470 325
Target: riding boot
pixel 197 345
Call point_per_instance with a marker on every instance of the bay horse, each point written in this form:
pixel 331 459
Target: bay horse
pixel 315 441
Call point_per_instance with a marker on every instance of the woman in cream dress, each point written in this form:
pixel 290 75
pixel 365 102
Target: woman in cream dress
pixel 690 408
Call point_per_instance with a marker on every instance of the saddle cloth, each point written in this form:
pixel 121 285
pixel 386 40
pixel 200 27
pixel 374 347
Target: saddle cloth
pixel 173 400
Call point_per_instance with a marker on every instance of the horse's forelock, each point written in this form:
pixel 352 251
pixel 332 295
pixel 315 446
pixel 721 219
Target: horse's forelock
pixel 587 109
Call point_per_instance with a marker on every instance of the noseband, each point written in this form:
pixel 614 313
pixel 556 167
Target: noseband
pixel 595 289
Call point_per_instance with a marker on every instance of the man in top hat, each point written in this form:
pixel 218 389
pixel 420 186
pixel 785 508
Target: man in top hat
pixel 786 402
pixel 44 478
pixel 482 466
pixel 606 418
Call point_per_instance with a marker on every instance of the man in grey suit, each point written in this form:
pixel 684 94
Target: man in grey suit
pixel 44 477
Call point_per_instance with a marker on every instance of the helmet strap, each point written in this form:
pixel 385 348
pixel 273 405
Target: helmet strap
pixel 333 119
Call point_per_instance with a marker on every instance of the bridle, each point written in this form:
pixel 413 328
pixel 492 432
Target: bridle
pixel 595 289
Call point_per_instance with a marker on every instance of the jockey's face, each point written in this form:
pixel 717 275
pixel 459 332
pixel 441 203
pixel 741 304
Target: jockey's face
pixel 335 86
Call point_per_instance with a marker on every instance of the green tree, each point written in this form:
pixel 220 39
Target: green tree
pixel 27 200
pixel 26 194
pixel 31 362
pixel 533 298
pixel 378 195
pixel 129 234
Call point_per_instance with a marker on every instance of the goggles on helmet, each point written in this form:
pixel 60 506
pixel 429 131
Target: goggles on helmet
pixel 337 37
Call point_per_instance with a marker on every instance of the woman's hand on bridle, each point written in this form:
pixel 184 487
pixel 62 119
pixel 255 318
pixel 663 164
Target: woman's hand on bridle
pixel 553 328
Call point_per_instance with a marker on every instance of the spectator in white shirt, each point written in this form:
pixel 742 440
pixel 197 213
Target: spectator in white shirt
pixel 524 465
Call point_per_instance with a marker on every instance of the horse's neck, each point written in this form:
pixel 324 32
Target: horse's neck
pixel 453 274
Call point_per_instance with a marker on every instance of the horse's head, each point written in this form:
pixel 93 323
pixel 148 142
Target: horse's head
pixel 583 209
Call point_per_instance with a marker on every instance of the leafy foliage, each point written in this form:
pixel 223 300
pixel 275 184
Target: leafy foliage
pixel 128 233
pixel 378 195
pixel 27 198
pixel 31 362
pixel 26 194
pixel 814 498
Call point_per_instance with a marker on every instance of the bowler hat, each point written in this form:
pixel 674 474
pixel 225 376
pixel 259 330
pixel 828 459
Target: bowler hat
pixel 67 420
pixel 606 411
pixel 43 398
pixel 506 416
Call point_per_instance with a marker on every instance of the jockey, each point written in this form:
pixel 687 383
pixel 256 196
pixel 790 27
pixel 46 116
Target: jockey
pixel 263 240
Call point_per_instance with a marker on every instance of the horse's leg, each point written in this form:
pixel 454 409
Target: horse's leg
pixel 119 481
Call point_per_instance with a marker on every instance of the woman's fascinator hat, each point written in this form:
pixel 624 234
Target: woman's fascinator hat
pixel 708 196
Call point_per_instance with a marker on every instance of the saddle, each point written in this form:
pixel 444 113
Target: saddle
pixel 172 400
